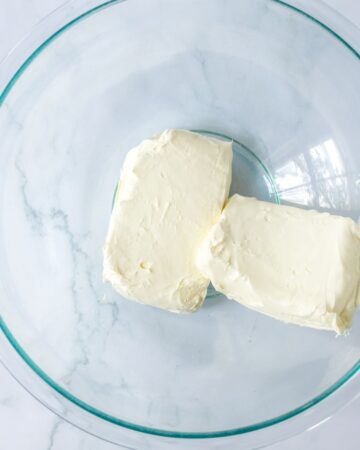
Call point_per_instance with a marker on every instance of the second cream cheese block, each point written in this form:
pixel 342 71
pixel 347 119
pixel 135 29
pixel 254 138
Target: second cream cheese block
pixel 171 191
pixel 295 265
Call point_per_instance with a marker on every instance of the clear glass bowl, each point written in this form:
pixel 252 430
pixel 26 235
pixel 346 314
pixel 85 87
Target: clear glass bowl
pixel 90 82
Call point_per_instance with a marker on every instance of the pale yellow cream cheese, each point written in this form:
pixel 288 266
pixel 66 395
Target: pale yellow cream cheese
pixel 171 191
pixel 294 265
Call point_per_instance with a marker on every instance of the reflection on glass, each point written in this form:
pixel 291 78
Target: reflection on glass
pixel 317 178
pixel 293 181
pixel 328 159
pixel 329 172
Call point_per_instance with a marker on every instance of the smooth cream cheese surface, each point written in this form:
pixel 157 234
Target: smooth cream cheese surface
pixel 295 265
pixel 172 189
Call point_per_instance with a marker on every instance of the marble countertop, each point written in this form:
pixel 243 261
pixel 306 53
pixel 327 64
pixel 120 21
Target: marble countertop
pixel 24 422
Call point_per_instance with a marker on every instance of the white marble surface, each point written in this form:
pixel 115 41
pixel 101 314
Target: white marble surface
pixel 26 424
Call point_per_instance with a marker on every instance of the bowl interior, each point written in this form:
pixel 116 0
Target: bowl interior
pixel 281 85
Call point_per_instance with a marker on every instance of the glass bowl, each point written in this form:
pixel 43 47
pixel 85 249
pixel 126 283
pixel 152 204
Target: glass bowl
pixel 279 79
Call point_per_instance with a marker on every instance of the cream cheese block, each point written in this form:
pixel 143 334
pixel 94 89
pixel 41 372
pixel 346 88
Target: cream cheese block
pixel 172 189
pixel 295 265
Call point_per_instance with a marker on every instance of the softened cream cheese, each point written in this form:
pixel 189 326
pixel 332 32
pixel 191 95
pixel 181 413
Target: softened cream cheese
pixel 172 189
pixel 294 265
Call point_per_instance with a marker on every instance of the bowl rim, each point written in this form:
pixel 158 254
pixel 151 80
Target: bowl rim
pixel 49 381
